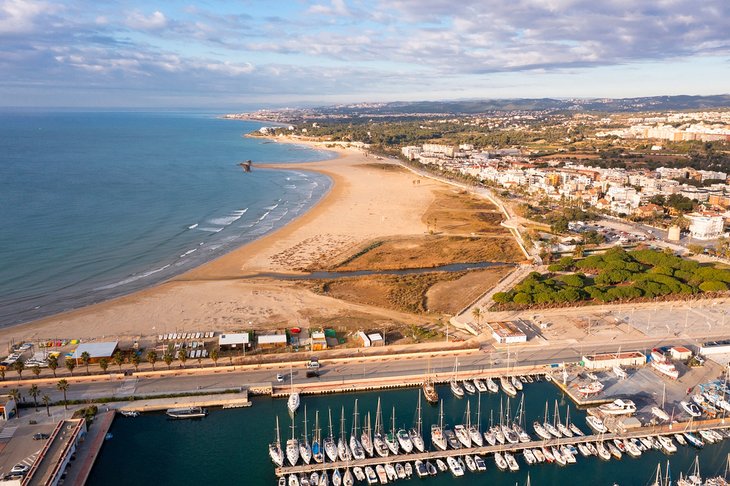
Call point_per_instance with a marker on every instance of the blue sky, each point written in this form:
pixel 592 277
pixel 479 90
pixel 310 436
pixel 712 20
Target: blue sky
pixel 274 53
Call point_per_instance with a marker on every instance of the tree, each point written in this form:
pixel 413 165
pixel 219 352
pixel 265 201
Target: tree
pixel 62 385
pixel 47 402
pixel 167 358
pixel 713 286
pixel 118 359
pixel 36 371
pixel 135 361
pixel 70 365
pixel 53 363
pixel 85 360
pixel 2 373
pixel 214 356
pixel 696 249
pixel 15 394
pixel 34 391
pixel 477 314
pixel 19 366
pixel 183 357
pixel 152 358
pixel 104 364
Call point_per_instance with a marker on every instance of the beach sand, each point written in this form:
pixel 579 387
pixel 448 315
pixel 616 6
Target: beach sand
pixel 365 202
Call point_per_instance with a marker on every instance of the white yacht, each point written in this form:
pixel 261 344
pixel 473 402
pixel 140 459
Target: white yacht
pixel 292 447
pixel 293 401
pixel 618 407
pixel 437 430
pixel 275 452
pixel 596 424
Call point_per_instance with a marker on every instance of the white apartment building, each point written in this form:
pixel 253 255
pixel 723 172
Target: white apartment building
pixel 705 227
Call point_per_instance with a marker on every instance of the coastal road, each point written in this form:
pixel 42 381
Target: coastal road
pixel 333 373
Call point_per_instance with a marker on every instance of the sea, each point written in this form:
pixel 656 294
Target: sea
pixel 94 205
pixel 230 447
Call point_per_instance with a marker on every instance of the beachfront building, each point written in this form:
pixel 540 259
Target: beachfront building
pixel 705 226
pixel 609 360
pixel 8 407
pixel 318 341
pixel 271 341
pixel 96 351
pixel 506 332
pixel 234 341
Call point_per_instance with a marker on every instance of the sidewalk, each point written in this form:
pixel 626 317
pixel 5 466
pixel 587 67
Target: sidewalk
pixel 78 471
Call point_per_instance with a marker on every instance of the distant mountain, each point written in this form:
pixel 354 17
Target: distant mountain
pixel 472 107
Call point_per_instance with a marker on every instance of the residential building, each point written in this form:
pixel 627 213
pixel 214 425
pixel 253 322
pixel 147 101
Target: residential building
pixel 705 226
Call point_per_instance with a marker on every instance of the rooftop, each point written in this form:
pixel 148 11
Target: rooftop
pixel 96 350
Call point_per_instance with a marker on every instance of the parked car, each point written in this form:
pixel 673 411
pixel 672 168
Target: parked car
pixel 19 469
pixel 41 436
pixel 279 377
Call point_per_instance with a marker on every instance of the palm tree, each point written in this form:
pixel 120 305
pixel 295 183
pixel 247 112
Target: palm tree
pixel 34 391
pixel 47 402
pixel 62 385
pixel 135 359
pixel 200 361
pixel 167 358
pixel 183 357
pixel 85 360
pixel 152 358
pixel 19 366
pixel 53 363
pixel 477 314
pixel 70 365
pixel 2 373
pixel 36 371
pixel 118 359
pixel 104 364
pixel 214 356
pixel 15 394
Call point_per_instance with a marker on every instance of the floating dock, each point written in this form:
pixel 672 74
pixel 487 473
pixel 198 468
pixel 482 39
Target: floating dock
pixel 692 426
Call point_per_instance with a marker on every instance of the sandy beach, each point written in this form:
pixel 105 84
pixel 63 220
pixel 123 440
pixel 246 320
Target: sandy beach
pixel 365 202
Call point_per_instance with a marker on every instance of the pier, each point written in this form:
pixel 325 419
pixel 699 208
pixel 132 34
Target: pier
pixel 692 426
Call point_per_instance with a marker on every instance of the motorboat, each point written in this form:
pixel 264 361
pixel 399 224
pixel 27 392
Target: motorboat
pixel 129 413
pixel 516 383
pixel 469 387
pixel 583 450
pixel 618 407
pixel 615 451
pixel 667 444
pixel 539 456
pixel 186 412
pixel 456 389
pixel 409 469
pixel 463 435
pixel 500 461
pixel 390 471
pixel 631 448
pixel 547 453
pixel 691 408
pixel 303 480
pixel 680 439
pixel 568 455
pixel 293 401
pixel 451 438
pixel 592 388
pixel 470 464
pixel 400 471
pixel 558 455
pixel 481 465
pixel 455 467
pixel 421 470
pixel 603 453
pixel 491 385
pixel 440 464
pixel 404 440
pixel 370 475
pixel 529 457
pixel 511 462
pixel 596 424
pixel 707 436
pixel 382 475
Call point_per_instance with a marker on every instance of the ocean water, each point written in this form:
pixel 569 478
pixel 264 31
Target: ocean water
pixel 95 205
pixel 229 447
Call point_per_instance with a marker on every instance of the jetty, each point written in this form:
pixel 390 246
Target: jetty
pixel 665 430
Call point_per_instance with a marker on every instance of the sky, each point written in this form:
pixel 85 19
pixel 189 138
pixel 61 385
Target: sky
pixel 205 53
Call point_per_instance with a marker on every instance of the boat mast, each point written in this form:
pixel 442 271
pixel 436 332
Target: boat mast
pixel 393 417
pixel 317 437
pixel 305 424
pixel 278 436
pixel 342 424
pixel 468 414
pixel 329 413
pixel 355 421
pixel 378 419
pixel 441 415
pixel 479 413
pixel 418 421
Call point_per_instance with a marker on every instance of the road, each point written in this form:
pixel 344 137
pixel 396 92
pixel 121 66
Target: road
pixel 339 372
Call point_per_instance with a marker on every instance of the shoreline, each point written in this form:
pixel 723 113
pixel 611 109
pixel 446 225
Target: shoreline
pixel 112 316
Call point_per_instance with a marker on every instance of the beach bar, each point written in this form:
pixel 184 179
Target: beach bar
pixel 96 351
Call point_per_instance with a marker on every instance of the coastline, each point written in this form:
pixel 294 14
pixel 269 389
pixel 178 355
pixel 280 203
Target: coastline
pixel 135 314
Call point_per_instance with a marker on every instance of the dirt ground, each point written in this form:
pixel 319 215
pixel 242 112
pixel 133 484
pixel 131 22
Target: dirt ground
pixel 449 297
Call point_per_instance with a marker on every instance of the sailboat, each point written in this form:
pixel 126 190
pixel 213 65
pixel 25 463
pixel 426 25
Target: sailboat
pixel 558 425
pixel 475 430
pixel 275 452
pixel 491 385
pixel 343 452
pixel 462 430
pixel 415 432
pixel 550 427
pixel 357 451
pixel 293 402
pixel 292 447
pixel 305 450
pixel 456 388
pixel 437 430
pixel 378 439
pixel 366 437
pixel 429 388
pixel 330 447
pixel 507 387
pixel 574 428
pixel 317 446
pixel 659 412
pixel 391 439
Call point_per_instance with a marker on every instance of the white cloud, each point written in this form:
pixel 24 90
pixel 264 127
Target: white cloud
pixel 155 21
pixel 19 16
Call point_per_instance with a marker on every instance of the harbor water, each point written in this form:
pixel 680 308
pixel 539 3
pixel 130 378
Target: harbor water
pixel 231 446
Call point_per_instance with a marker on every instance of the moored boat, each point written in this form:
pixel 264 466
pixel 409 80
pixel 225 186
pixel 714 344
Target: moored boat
pixel 596 424
pixel 507 387
pixel 186 412
pixel 618 407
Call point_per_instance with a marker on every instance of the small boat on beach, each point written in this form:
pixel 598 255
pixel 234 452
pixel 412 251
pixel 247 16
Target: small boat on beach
pixel 186 412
